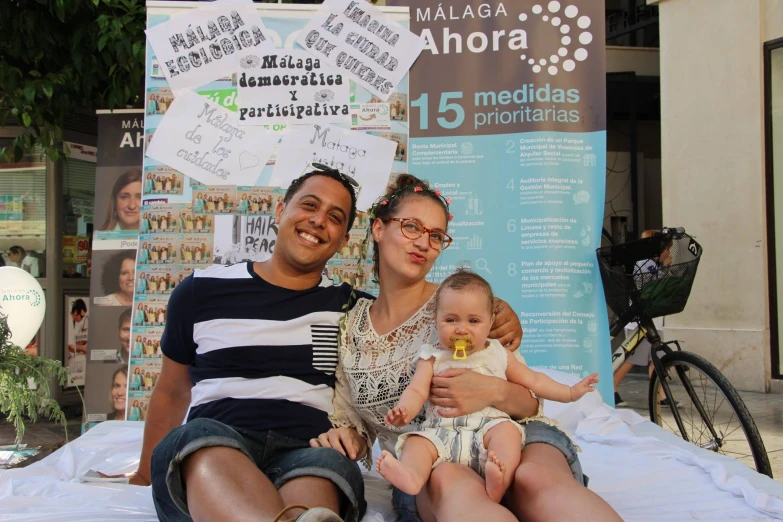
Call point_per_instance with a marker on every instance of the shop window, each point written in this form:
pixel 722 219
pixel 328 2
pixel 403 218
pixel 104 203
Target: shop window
pixel 79 210
pixel 23 212
pixel 774 159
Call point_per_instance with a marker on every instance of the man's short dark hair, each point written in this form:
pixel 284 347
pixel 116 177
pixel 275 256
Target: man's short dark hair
pixel 78 306
pixel 334 174
pixel 125 317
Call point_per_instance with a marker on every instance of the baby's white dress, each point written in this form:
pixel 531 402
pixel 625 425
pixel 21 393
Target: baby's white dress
pixel 461 439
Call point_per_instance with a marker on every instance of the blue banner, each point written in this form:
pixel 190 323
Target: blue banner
pixel 508 119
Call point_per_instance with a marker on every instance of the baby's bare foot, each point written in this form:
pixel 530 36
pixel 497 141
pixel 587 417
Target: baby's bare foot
pixel 398 474
pixel 494 473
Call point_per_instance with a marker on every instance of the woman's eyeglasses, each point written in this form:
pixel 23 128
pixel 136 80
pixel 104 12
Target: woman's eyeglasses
pixel 412 229
pixel 320 167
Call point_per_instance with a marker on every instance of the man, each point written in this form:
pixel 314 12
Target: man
pixel 238 358
pixel 25 261
pixel 123 354
pixel 77 334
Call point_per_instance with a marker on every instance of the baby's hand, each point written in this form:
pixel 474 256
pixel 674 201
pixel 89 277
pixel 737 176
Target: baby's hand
pixel 579 389
pixel 397 416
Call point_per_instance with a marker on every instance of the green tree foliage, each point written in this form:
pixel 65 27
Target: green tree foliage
pixel 60 57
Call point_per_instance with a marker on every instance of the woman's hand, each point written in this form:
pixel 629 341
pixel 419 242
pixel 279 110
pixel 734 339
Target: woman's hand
pixel 345 440
pixel 460 392
pixel 506 328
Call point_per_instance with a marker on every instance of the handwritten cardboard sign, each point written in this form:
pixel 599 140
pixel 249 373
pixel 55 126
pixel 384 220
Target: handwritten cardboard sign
pixel 204 45
pixel 356 37
pixel 290 86
pixel 367 159
pixel 201 139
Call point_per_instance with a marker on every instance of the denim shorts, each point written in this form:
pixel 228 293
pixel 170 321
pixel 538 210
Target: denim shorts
pixel 279 457
pixel 535 432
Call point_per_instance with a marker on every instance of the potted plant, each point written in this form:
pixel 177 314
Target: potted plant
pixel 24 384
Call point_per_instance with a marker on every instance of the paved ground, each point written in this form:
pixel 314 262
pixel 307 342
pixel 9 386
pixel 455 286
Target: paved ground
pixel 766 409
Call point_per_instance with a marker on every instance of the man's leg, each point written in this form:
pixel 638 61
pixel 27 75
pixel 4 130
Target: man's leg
pixel 203 466
pixel 319 477
pixel 217 477
pixel 311 492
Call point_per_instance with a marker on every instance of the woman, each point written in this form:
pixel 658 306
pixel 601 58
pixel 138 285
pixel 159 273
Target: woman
pixel 135 383
pixel 148 183
pixel 242 207
pixel 152 105
pixel 199 204
pixel 123 212
pixel 138 347
pixel 119 388
pixel 135 412
pixel 378 351
pixel 138 315
pixel 144 254
pixel 118 279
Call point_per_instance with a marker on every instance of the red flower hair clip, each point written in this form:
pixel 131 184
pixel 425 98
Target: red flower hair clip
pixel 437 192
pixel 448 201
pixel 417 189
pixel 384 202
pixel 451 216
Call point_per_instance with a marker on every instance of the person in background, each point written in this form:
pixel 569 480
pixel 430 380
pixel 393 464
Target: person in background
pixel 25 261
pixel 645 271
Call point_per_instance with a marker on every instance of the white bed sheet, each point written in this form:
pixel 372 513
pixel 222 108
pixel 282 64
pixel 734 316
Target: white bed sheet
pixel 645 473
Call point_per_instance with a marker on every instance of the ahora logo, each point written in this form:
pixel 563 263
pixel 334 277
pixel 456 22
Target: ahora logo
pixel 563 21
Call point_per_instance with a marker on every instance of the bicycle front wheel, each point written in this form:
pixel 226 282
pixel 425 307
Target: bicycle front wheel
pixel 724 425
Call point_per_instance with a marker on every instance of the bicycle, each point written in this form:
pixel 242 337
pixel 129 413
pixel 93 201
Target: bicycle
pixel 653 277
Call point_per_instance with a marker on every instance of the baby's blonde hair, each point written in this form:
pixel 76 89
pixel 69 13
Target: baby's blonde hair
pixel 465 279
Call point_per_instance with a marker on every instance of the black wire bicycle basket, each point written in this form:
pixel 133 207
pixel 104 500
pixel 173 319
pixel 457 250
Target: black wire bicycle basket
pixel 649 277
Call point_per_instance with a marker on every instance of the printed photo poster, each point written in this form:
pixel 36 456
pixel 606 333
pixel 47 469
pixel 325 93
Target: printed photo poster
pixel 290 86
pixel 366 116
pixel 77 326
pixel 357 37
pixel 160 180
pixel 203 45
pixel 521 151
pixel 244 238
pixel 108 357
pixel 118 180
pixel 367 159
pixel 158 100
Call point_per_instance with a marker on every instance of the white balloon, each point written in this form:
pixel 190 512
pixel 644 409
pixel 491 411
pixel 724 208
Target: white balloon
pixel 22 300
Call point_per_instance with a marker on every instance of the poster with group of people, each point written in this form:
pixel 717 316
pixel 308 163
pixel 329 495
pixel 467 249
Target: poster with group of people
pixel 99 332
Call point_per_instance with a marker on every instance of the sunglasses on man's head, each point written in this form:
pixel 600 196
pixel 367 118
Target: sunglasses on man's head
pixel 320 167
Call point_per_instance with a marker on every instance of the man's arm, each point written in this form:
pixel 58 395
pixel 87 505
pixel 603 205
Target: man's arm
pixel 168 405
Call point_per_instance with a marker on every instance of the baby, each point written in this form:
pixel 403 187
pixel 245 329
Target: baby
pixel 488 441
